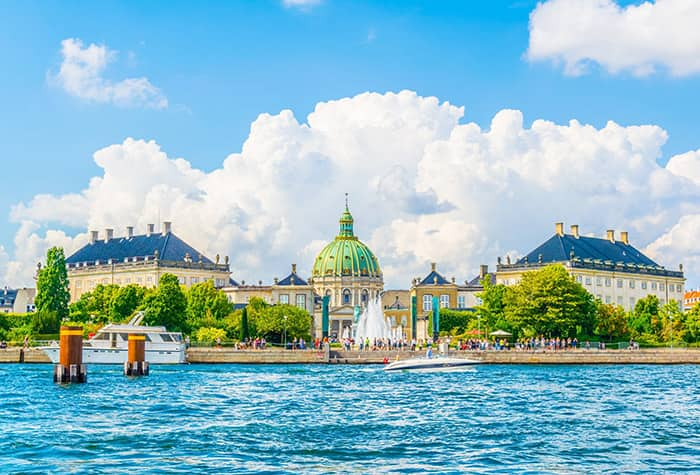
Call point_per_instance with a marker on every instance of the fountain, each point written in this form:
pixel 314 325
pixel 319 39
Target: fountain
pixel 372 323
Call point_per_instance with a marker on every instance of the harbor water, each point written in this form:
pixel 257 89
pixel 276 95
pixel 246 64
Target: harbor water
pixel 352 419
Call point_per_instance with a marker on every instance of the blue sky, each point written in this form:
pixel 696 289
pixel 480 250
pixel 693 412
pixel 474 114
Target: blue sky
pixel 222 65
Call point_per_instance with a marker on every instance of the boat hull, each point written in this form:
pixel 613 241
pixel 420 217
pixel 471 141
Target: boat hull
pixel 119 355
pixel 431 364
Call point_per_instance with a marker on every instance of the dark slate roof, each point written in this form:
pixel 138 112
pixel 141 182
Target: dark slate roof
pixel 430 279
pixel 169 247
pixel 288 280
pixel 7 297
pixel 476 281
pixel 558 249
pixel 232 283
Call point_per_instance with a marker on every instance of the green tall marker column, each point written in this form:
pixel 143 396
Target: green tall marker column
pixel 324 318
pixel 436 318
pixel 414 316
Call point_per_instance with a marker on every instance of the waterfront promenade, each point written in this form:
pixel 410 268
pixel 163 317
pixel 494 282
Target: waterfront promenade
pixel 277 356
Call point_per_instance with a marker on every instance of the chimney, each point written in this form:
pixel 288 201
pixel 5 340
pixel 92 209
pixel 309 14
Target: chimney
pixel 294 268
pixel 624 237
pixel 93 237
pixel 109 234
pixel 433 265
pixel 129 232
pixel 611 235
pixel 150 229
pixel 276 280
pixel 166 227
pixel 559 229
pixel 574 230
pixel 483 270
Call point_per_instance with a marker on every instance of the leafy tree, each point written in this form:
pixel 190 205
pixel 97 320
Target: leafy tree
pixel 206 305
pixel 455 321
pixel 95 305
pixel 275 320
pixel 611 321
pixel 493 305
pixel 243 334
pixel 671 321
pixel 125 301
pixel 645 310
pixel 45 322
pixel 52 285
pixel 209 335
pixel 692 324
pixel 550 302
pixel 167 306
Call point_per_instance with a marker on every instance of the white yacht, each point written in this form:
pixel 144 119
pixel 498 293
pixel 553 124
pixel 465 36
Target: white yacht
pixel 110 345
pixel 437 363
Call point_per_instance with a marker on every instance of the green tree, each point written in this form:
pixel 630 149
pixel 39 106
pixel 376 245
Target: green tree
pixel 243 334
pixel 646 310
pixel 611 321
pixel 550 302
pixel 52 293
pixel 455 321
pixel 274 321
pixel 206 306
pixel 493 305
pixel 95 305
pixel 671 321
pixel 45 322
pixel 167 306
pixel 209 334
pixel 692 324
pixel 125 301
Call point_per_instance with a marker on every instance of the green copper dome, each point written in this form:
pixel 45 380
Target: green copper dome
pixel 346 255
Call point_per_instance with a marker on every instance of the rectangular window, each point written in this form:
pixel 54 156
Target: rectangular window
pixel 284 299
pixel 631 283
pixel 194 280
pixel 679 288
pixel 608 282
pixel 644 285
pixel 632 302
pixel 599 297
pixel 620 283
pixel 127 280
pixel 588 280
pixel 460 301
pixel 608 299
pixel 619 300
pixel 662 301
pixel 653 286
pixel 598 281
pixel 427 303
pixel 662 287
pixel 444 301
pixel 181 279
pixel 149 279
pixel 301 301
pixel 78 284
pixel 579 278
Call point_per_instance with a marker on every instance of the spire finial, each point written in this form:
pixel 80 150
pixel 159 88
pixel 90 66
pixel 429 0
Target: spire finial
pixel 346 201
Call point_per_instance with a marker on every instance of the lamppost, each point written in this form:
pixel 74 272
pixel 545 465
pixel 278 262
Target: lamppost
pixel 285 332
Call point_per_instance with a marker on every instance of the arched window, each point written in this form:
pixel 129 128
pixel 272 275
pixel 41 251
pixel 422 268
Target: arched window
pixel 365 296
pixel 347 297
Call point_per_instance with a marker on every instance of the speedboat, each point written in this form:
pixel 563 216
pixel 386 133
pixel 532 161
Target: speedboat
pixel 439 363
pixel 110 345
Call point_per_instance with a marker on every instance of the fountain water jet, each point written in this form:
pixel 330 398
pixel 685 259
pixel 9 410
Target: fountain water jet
pixel 372 323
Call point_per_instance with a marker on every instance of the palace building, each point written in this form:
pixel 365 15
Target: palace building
pixel 611 269
pixel 348 273
pixel 140 259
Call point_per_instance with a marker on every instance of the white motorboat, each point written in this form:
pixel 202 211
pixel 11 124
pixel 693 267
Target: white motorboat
pixel 110 345
pixel 438 363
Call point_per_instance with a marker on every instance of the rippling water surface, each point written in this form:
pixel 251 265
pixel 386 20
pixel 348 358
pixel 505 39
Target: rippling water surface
pixel 323 419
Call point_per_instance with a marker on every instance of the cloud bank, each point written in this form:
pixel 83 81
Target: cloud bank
pixel 638 39
pixel 423 187
pixel 81 75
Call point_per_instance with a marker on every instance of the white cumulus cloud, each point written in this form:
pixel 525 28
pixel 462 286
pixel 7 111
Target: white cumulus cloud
pixel 81 75
pixel 638 38
pixel 423 187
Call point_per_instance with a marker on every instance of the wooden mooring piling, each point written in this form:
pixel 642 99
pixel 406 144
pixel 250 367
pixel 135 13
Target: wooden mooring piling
pixel 70 367
pixel 136 364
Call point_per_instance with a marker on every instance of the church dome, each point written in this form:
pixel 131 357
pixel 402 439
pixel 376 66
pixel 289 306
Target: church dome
pixel 346 255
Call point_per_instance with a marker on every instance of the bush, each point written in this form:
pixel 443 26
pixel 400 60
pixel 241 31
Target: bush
pixel 45 322
pixel 209 334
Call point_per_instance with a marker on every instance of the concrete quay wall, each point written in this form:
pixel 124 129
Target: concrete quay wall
pixel 228 355
pixel 20 355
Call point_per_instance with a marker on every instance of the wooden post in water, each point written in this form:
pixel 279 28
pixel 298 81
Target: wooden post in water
pixel 136 364
pixel 70 367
